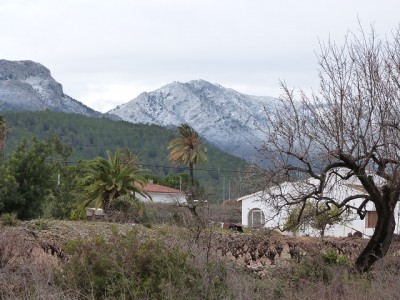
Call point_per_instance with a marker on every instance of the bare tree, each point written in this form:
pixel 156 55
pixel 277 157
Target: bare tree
pixel 351 124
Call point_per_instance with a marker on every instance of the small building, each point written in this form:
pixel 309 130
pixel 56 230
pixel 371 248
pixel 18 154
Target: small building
pixel 260 209
pixel 162 194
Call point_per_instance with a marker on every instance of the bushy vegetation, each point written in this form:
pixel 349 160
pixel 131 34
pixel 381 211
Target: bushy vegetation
pixel 36 181
pixel 9 219
pixel 37 178
pixel 126 268
pixel 165 262
pixel 92 137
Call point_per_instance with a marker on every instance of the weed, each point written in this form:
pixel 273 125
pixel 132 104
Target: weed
pixel 333 258
pixel 9 219
pixel 127 268
pixel 42 224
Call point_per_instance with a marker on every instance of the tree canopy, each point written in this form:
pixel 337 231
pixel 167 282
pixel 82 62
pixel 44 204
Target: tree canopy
pixel 3 132
pixel 31 175
pixel 188 149
pixel 107 179
pixel 91 137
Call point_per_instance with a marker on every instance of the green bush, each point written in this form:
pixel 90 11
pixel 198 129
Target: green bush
pixel 42 224
pixel 9 219
pixel 333 258
pixel 320 268
pixel 72 246
pixel 129 268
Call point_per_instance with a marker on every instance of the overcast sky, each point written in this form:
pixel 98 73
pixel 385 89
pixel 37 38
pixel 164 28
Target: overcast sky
pixel 106 53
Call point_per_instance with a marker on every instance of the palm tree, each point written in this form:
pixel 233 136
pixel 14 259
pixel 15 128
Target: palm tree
pixel 187 149
pixel 108 179
pixel 129 159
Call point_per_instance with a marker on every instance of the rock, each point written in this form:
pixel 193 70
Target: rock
pixel 29 86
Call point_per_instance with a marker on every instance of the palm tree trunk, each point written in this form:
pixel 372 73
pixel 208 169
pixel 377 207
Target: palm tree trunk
pixel 192 194
pixel 191 171
pixel 106 204
pixel 191 188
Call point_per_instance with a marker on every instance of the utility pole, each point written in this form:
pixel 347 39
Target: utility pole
pixel 229 189
pixel 223 189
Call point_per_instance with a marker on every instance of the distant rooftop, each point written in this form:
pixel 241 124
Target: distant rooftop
pixel 156 188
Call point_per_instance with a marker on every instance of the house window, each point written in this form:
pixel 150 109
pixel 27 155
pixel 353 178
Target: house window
pixel 371 219
pixel 256 218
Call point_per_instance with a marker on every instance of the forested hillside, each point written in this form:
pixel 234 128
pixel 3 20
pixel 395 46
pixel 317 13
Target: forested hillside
pixel 91 137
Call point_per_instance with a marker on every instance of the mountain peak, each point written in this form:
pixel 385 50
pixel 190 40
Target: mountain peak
pixel 225 117
pixel 27 85
pixel 21 69
pixel 200 82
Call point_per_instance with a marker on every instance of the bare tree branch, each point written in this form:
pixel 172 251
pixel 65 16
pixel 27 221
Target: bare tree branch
pixel 345 132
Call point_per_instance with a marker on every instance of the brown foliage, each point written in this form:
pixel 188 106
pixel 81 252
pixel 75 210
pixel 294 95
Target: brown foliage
pixel 255 265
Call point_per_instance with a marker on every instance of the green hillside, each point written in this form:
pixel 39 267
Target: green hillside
pixel 91 137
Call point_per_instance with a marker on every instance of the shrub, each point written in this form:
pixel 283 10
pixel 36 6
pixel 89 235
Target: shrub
pixel 42 224
pixel 9 219
pixel 131 269
pixel 333 258
pixel 73 246
pixel 319 268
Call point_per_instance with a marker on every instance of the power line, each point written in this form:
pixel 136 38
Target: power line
pixel 184 168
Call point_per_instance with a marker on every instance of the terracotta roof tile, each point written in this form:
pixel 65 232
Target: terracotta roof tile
pixel 156 188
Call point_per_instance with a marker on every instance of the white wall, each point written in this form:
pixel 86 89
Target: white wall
pixel 360 225
pixel 261 200
pixel 164 197
pixel 257 201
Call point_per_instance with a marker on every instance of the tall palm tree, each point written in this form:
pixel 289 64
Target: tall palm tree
pixel 187 149
pixel 108 179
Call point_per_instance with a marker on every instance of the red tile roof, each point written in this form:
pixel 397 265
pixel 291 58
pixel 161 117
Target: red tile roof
pixel 156 188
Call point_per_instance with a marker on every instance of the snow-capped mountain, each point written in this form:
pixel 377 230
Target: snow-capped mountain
pixel 228 119
pixel 26 85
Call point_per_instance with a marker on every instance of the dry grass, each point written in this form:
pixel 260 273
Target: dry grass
pixel 27 271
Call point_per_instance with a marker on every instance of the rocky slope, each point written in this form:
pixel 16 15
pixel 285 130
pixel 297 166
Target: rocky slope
pixel 223 116
pixel 26 85
pixel 226 118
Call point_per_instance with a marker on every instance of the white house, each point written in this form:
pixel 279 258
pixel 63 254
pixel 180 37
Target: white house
pixel 266 209
pixel 162 194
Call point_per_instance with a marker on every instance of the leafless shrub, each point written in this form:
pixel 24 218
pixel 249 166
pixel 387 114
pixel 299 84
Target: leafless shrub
pixel 222 213
pixel 26 270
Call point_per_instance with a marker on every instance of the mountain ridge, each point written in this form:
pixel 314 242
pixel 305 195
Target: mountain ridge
pixel 223 116
pixel 28 86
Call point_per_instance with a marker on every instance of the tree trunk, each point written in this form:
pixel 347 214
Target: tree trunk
pixel 191 174
pixel 193 210
pixel 380 241
pixel 106 205
pixel 322 232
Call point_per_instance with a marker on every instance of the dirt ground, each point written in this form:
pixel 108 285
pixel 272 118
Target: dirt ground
pixel 45 238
